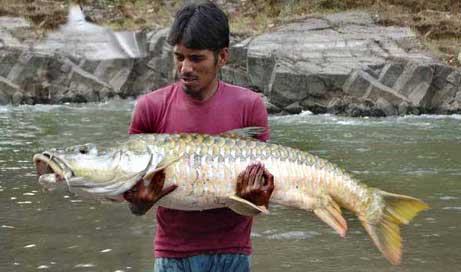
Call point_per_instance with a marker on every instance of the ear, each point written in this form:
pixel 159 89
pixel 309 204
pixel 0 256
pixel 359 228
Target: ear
pixel 223 56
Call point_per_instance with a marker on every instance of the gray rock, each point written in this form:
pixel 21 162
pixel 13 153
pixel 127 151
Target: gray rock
pixel 293 83
pixel 337 105
pixel 235 75
pixel 13 32
pixel 85 87
pixel 391 73
pixel 342 55
pixel 115 72
pixel 339 63
pixel 8 59
pixel 154 71
pixel 315 105
pixel 451 107
pixel 272 109
pixel 7 91
pixel 29 67
pixel 414 82
pixel 90 41
pixel 458 96
pixel 444 92
pixel 403 108
pixel 238 53
pixel 454 77
pixel 294 108
pixel 358 110
pixel 358 84
pixel 386 106
pixel 260 70
pixel 378 90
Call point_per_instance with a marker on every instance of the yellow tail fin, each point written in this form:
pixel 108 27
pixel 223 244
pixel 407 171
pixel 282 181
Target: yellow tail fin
pixel 398 209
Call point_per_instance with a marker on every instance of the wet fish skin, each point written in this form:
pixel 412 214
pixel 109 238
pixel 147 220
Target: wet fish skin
pixel 206 167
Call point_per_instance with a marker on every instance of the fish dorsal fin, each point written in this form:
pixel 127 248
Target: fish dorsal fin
pixel 247 132
pixel 162 165
pixel 245 207
pixel 330 213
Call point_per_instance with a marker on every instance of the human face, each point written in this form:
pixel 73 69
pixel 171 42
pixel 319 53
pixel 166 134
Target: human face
pixel 198 70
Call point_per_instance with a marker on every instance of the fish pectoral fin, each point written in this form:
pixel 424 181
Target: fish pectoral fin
pixel 116 186
pixel 331 214
pixel 245 207
pixel 162 165
pixel 247 132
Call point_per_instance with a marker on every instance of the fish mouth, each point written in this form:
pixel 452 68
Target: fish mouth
pixel 46 164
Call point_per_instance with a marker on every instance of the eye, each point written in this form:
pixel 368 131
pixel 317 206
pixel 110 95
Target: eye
pixel 179 57
pixel 83 149
pixel 195 58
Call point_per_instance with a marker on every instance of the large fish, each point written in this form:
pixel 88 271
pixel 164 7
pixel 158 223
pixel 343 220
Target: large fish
pixel 205 168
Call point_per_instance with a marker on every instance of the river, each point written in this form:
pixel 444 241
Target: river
pixel 415 155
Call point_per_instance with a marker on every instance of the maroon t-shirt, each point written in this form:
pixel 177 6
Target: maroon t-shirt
pixel 170 110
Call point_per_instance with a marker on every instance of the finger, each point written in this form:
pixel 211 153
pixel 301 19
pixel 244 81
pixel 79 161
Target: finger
pixel 269 179
pixel 166 191
pixel 246 175
pixel 259 179
pixel 239 182
pixel 157 179
pixel 245 180
pixel 128 196
pixel 252 177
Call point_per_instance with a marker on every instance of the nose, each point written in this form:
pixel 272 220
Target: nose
pixel 186 67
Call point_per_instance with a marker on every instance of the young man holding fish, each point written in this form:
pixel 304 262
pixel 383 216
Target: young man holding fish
pixel 217 239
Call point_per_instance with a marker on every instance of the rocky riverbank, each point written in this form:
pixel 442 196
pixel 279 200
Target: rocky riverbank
pixel 341 63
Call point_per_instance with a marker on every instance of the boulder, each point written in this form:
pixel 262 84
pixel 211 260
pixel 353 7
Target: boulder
pixel 235 75
pixel 339 63
pixel 294 108
pixel 79 62
pixel 341 57
pixel 444 91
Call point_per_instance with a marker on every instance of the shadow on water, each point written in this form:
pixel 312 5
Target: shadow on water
pixel 418 156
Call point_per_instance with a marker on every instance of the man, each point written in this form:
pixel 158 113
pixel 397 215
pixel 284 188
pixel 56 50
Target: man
pixel 217 239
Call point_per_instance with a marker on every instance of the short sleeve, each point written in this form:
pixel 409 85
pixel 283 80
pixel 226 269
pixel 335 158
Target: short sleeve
pixel 259 118
pixel 139 122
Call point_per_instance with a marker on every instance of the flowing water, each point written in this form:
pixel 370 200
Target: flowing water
pixel 414 155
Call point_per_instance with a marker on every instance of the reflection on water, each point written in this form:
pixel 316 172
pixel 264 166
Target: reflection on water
pixel 415 155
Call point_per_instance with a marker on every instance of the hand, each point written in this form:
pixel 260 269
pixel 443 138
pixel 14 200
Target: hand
pixel 142 197
pixel 255 184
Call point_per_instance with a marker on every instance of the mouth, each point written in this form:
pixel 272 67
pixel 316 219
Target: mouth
pixel 51 168
pixel 189 80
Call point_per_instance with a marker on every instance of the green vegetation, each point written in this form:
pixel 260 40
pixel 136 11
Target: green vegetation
pixel 437 22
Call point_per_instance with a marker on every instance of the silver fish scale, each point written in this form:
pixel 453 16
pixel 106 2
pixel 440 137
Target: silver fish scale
pixel 213 161
pixel 230 149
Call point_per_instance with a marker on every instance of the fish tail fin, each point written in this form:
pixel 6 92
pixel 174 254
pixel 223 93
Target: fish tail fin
pixel 397 210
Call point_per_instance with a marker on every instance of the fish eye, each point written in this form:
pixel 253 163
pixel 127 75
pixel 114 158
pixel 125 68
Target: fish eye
pixel 83 149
